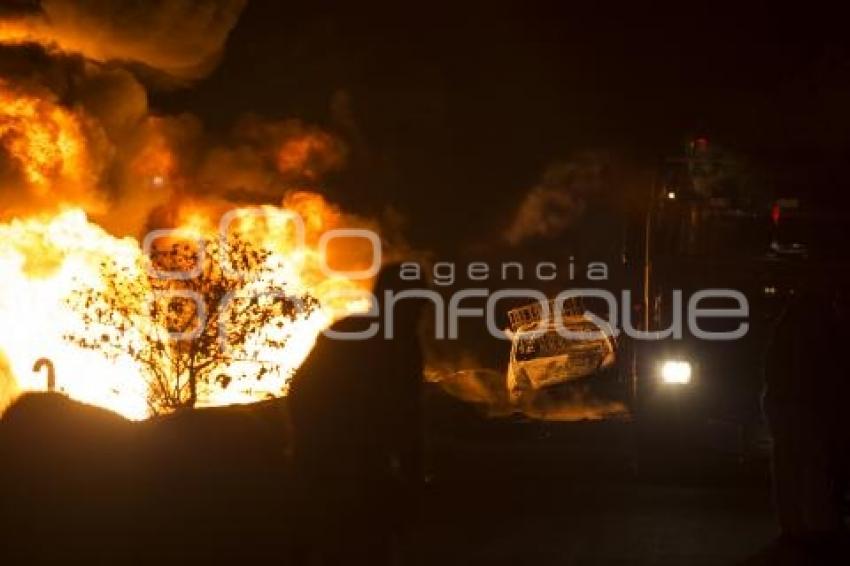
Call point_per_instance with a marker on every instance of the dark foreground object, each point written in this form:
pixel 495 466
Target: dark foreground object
pixel 81 485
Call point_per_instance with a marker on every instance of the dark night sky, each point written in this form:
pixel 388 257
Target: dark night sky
pixel 455 106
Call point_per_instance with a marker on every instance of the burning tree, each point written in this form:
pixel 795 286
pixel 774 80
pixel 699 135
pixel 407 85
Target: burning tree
pixel 186 313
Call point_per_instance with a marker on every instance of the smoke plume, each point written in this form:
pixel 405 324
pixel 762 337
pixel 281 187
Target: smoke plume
pixel 558 200
pixel 76 128
pixel 182 38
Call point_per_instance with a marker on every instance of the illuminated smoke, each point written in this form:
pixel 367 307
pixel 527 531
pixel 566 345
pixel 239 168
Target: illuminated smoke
pixel 182 38
pixel 557 201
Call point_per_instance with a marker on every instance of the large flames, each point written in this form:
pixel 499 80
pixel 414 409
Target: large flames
pixel 43 147
pixel 40 258
pixel 52 243
pixel 46 144
pixel 45 258
pixel 84 161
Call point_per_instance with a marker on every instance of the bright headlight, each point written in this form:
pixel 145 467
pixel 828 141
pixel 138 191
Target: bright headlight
pixel 676 372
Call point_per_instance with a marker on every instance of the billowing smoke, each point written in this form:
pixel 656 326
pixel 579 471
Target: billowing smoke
pixel 558 200
pixel 103 151
pixel 76 128
pixel 182 38
pixel 264 159
pixel 576 404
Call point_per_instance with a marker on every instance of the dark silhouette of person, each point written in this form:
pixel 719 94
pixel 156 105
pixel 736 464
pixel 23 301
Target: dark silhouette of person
pixel 357 429
pixel 805 402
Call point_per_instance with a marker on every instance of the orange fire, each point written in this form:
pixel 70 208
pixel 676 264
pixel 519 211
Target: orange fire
pixel 155 161
pixel 308 155
pixel 73 175
pixel 45 141
pixel 46 256
pixel 44 259
pixel 41 258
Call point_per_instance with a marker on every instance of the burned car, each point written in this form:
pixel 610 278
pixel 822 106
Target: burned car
pixel 546 352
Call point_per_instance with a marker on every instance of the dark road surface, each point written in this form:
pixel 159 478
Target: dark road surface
pixel 581 523
pixel 567 493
